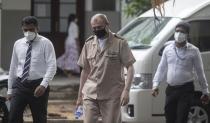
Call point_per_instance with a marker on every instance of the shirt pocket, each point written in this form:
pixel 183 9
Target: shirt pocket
pixel 170 57
pixel 112 56
pixel 185 62
pixel 37 55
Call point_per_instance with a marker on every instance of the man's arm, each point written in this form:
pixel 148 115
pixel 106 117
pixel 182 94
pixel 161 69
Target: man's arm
pixel 83 78
pixel 160 74
pixel 12 71
pixel 161 71
pixel 127 59
pixel 125 93
pixel 51 69
pixel 198 64
pixel 83 62
pixel 50 59
pixel 130 74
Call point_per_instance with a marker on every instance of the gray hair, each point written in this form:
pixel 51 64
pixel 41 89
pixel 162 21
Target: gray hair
pixel 102 16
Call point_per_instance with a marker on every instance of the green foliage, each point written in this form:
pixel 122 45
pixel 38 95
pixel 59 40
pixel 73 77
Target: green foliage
pixel 136 7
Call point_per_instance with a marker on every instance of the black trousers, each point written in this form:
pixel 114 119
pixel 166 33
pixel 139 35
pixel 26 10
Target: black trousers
pixel 23 95
pixel 177 103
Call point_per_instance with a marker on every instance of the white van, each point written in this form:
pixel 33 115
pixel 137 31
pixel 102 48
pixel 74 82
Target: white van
pixel 146 37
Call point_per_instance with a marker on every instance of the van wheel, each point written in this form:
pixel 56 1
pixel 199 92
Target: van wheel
pixel 198 113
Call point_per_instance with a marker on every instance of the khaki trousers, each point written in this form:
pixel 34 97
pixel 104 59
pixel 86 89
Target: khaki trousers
pixel 108 110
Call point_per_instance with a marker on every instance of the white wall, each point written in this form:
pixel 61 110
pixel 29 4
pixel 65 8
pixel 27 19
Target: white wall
pixel 88 5
pixel 12 12
pixel 113 16
pixel 0 29
pixel 16 4
pixel 118 5
pixel 0 35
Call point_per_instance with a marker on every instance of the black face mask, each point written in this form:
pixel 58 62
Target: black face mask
pixel 100 33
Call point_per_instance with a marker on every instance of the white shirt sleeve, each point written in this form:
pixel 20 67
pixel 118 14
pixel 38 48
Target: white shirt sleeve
pixel 161 71
pixel 50 60
pixel 12 70
pixel 198 64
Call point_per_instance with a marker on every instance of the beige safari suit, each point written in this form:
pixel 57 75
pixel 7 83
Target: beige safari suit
pixel 105 83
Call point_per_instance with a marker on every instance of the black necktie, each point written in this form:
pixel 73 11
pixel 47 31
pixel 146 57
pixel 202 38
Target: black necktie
pixel 26 68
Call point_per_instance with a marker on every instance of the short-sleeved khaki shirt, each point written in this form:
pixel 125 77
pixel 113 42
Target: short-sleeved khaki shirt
pixel 106 79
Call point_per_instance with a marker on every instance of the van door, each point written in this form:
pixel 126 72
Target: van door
pixel 200 37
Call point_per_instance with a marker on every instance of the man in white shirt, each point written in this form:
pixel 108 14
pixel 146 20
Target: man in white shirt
pixel 180 60
pixel 32 67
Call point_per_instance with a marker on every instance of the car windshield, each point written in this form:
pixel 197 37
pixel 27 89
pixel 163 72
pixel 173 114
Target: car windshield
pixel 140 32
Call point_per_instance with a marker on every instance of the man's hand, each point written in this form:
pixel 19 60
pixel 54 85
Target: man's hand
pixel 204 99
pixel 155 92
pixel 9 96
pixel 79 102
pixel 39 91
pixel 124 97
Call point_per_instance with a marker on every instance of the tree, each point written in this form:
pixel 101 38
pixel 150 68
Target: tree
pixel 136 7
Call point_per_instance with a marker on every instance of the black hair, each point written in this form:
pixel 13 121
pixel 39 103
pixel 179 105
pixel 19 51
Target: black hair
pixel 185 26
pixel 29 20
pixel 71 18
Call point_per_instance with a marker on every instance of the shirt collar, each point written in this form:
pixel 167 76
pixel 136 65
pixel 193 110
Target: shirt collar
pixel 107 42
pixel 185 47
pixel 102 40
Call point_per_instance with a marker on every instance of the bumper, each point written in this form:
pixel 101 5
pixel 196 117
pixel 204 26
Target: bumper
pixel 139 109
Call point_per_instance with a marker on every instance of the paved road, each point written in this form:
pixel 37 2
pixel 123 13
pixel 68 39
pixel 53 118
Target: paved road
pixel 61 80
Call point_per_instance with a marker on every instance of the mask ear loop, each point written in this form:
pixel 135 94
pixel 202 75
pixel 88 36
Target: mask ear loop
pixel 106 28
pixel 35 36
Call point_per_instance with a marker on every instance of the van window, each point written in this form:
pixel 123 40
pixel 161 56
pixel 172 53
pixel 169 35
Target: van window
pixel 200 34
pixel 140 32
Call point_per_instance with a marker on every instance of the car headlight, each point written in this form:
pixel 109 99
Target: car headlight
pixel 137 79
pixel 143 81
pixel 130 110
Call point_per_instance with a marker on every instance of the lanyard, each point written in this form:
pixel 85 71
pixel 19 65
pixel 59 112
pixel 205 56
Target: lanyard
pixel 181 58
